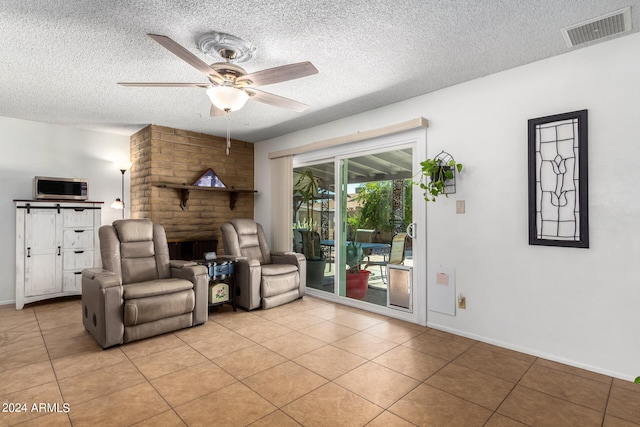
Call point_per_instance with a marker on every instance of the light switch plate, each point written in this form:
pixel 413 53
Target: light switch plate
pixel 460 206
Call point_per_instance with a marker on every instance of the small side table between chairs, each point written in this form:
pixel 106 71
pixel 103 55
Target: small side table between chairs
pixel 222 282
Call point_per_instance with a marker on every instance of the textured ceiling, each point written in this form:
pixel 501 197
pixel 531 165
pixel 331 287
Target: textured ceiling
pixel 60 60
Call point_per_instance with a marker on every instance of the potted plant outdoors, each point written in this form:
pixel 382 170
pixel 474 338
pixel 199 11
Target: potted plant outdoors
pixel 306 189
pixel 435 173
pixel 357 279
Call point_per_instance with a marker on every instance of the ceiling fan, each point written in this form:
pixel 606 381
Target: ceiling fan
pixel 230 86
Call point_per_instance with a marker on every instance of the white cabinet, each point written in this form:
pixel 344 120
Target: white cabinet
pixel 55 241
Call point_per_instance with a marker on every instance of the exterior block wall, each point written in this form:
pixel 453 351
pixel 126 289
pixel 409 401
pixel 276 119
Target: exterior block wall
pixel 163 155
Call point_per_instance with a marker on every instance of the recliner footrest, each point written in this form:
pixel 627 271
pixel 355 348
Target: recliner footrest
pixel 278 269
pixel 155 287
pixel 145 310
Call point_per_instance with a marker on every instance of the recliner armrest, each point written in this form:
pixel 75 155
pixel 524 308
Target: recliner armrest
pixel 296 259
pixel 188 271
pixel 102 306
pixel 247 274
pixel 178 263
pixel 199 276
pixel 242 260
pixel 287 258
pixel 104 278
pixel 232 257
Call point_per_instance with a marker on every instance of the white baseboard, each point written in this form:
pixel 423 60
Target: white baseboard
pixel 532 352
pixel 8 302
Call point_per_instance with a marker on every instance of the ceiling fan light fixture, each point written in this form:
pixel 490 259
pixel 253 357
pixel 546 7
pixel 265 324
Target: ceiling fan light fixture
pixel 227 98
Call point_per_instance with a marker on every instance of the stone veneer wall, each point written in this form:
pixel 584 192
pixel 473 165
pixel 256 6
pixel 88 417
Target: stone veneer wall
pixel 164 155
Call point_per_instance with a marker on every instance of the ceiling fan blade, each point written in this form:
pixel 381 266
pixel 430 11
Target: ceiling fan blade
pixel 279 74
pixel 216 112
pixel 143 84
pixel 275 100
pixel 187 56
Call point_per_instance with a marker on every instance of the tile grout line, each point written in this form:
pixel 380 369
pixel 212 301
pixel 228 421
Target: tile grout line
pixel 55 374
pixel 451 362
pixel 511 391
pixel 171 408
pixel 49 360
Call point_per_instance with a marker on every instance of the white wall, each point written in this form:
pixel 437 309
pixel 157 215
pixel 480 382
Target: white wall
pixel 32 148
pixel 577 306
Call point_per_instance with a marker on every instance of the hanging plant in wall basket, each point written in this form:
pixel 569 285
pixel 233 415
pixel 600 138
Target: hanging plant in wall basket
pixel 438 176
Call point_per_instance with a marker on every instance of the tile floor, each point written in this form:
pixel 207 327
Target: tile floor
pixel 309 363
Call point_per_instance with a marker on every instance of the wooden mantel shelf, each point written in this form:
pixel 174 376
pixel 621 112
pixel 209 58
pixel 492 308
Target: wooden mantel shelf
pixel 185 189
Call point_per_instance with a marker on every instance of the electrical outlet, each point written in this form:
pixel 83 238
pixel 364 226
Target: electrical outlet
pixel 462 301
pixel 459 206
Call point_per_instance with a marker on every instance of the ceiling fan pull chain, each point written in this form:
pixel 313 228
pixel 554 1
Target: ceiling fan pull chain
pixel 228 130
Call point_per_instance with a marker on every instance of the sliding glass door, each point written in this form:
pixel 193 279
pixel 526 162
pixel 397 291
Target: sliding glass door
pixel 376 209
pixel 375 195
pixel 314 222
pixel 352 207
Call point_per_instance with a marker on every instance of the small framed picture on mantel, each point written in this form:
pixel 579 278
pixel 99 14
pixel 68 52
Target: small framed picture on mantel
pixel 209 179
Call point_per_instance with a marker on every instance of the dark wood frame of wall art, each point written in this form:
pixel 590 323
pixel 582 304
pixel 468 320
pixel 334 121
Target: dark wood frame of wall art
pixel 581 159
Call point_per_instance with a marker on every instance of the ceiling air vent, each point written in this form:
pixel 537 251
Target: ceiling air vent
pixel 603 26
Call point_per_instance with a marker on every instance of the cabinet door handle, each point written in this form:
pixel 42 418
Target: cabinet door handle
pixel 79 231
pixel 79 252
pixel 59 251
pixel 77 272
pixel 29 252
pixel 78 209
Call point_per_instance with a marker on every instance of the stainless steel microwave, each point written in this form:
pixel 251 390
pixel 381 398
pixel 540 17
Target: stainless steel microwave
pixel 47 188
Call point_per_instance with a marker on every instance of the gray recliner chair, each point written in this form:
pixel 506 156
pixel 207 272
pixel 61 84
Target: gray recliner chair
pixel 139 292
pixel 263 278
